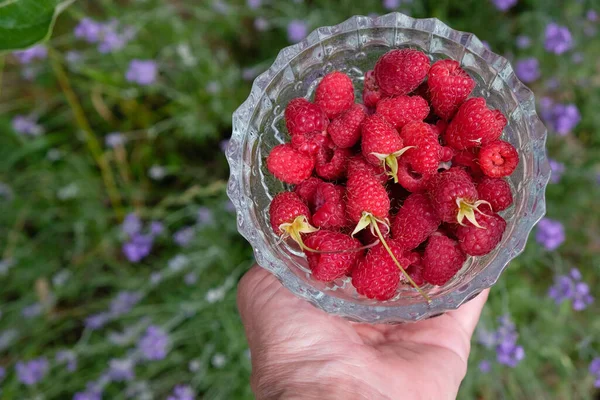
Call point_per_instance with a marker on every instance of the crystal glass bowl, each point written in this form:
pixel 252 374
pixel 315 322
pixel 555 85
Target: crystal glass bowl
pixel 353 47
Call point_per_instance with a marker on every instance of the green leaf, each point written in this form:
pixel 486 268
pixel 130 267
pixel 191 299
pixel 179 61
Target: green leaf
pixel 26 22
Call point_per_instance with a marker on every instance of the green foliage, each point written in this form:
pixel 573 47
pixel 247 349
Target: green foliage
pixel 66 193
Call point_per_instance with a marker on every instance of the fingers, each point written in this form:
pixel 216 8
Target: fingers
pixel 468 314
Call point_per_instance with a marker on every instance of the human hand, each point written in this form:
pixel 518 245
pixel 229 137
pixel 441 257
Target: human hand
pixel 300 352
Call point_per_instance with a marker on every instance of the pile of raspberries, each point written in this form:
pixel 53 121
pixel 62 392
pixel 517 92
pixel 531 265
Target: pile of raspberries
pixel 399 189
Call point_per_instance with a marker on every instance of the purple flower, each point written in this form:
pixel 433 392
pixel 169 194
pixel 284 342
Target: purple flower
pixel 205 216
pixel 142 72
pixel 550 233
pixel 2 373
pixel 261 24
pixel 121 370
pixel 131 224
pixel 114 139
pixel 96 321
pixel 296 30
pixel 528 69
pixel 184 236
pixel 523 41
pixel 565 118
pixel 182 392
pixel 154 344
pixel 504 5
pixel 138 247
pixel 391 4
pixel 594 369
pixel 67 357
pixel 113 40
pixel 507 351
pixel 558 169
pixel 33 371
pixel 223 144
pixel 254 4
pixel 38 52
pixel 229 206
pixel 558 38
pixel 546 105
pixel 156 228
pixel 571 287
pixel 485 366
pixel 26 125
pixel 32 311
pixel 552 83
pixel 124 302
pixel 592 15
pixel 92 392
pixel 89 30
pixel 190 278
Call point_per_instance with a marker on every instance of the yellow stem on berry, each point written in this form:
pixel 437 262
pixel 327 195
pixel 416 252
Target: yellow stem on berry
pixel 467 210
pixel 296 228
pixel 391 161
pixel 368 219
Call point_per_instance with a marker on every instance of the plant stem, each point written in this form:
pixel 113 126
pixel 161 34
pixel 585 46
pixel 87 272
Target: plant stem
pixel 90 138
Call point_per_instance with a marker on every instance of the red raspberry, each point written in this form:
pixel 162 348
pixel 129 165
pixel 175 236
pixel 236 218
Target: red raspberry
pixel 381 144
pixel 365 193
pixel 376 277
pixel 474 125
pixel 332 162
pixel 309 143
pixel 302 116
pixel 415 271
pixel 498 159
pixel 449 86
pixel 345 129
pixel 410 179
pixel 416 220
pixel 454 196
pixel 289 165
pixel 401 71
pixel 443 258
pixel 441 126
pixel 367 237
pixel 335 94
pixel 426 151
pixel 371 92
pixel 330 266
pixel 469 159
pixel 307 190
pixel 399 111
pixel 330 208
pixel 358 163
pixel 447 154
pixel 285 208
pixel 477 241
pixel 495 191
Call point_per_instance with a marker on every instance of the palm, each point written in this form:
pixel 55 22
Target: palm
pixel 291 340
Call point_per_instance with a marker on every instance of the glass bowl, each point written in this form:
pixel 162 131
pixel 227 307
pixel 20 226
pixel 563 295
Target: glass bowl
pixel 353 47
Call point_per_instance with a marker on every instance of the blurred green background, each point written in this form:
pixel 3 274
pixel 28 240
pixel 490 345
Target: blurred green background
pixel 119 254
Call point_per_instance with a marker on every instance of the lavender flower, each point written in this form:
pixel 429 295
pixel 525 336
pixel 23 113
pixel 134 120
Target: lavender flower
pixel 88 30
pixel 114 139
pixel 2 373
pixel 592 15
pixel 33 371
pixel 546 105
pixel 190 278
pixel 594 369
pixel 552 83
pixel 223 145
pixel 138 247
pixel 38 52
pixel 67 357
pixel 485 366
pixel 205 216
pixel 131 224
pixel 296 30
pixel 32 311
pixel 96 321
pixel 26 125
pixel 391 4
pixel 571 287
pixel 229 206
pixel 184 236
pixel 156 228
pixel 254 4
pixel 142 72
pixel 182 392
pixel 528 69
pixel 261 24
pixel 504 5
pixel 113 40
pixel 121 370
pixel 558 38
pixel 550 233
pixel 523 41
pixel 154 344
pixel 109 36
pixel 124 302
pixel 565 118
pixel 507 351
pixel 92 392
pixel 558 169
